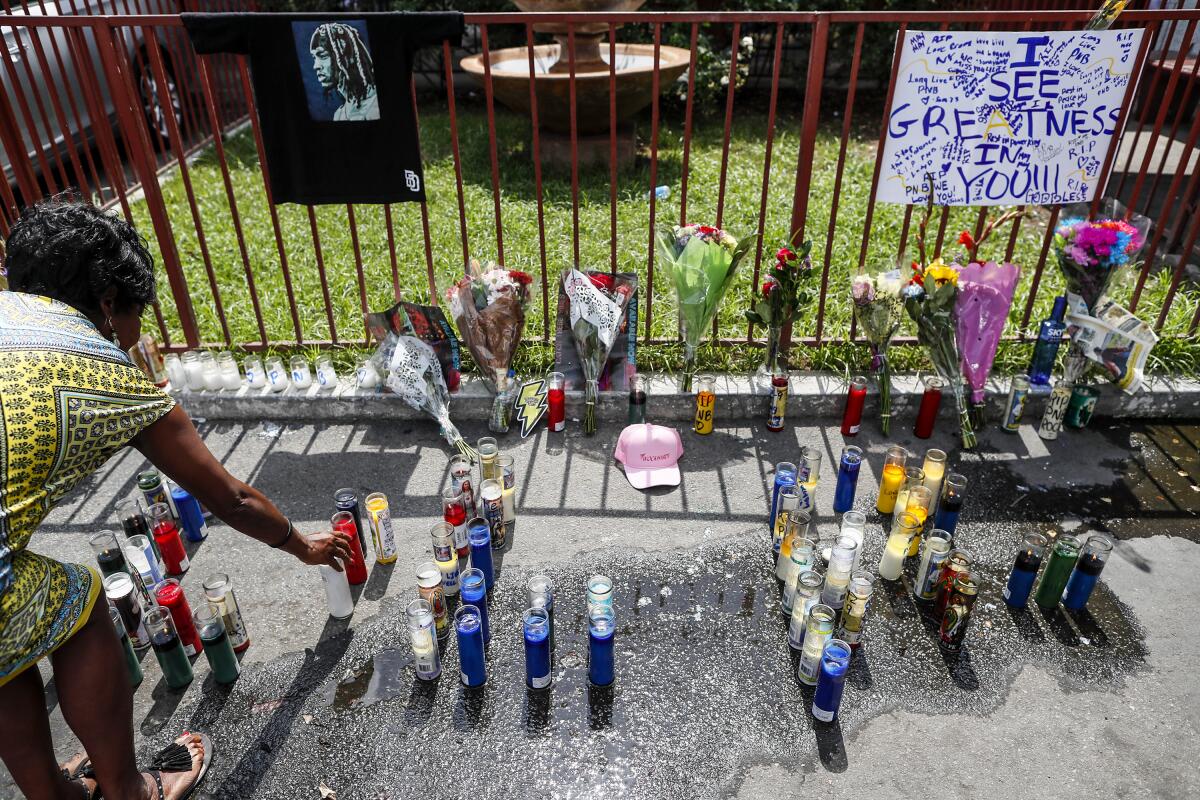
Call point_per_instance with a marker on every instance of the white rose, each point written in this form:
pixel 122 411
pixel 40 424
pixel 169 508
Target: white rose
pixel 747 42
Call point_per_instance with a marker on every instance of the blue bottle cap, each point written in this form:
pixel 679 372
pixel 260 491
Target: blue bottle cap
pixel 1060 308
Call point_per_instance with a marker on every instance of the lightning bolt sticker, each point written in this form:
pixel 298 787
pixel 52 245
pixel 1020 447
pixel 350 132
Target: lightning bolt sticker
pixel 531 405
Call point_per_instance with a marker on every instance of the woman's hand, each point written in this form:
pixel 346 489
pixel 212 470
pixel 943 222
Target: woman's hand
pixel 330 547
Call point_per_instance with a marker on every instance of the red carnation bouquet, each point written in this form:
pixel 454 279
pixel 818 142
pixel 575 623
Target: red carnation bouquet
pixel 488 306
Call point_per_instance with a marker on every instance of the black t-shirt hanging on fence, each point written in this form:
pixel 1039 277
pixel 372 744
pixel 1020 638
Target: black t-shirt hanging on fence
pixel 334 98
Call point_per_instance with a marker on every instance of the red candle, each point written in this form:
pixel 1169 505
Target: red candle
pixel 927 413
pixel 855 398
pixel 166 536
pixel 556 402
pixel 454 512
pixel 356 570
pixel 170 596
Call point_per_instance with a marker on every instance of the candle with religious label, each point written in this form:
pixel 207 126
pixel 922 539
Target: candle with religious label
pixel 473 590
pixel 599 593
pixel 808 594
pixel 133 667
pixel 837 575
pixel 919 500
pixel 835 663
pixel 934 469
pixel 461 482
pixel 1063 554
pixel 154 490
pixel 168 647
pixel 445 556
pixel 479 535
pixel 905 526
pixel 429 586
pixel 807 477
pixel 218 590
pixel 934 552
pixel 601 631
pixel 426 658
pixel 166 535
pixel 346 499
pixel 706 402
pixel 535 624
pixel 847 479
pixel 327 377
pixel 256 375
pixel 637 400
pixel 931 401
pixel 1025 570
pixel 508 491
pixel 191 518
pixel 785 475
pixel 337 592
pixel 856 396
pixel 957 563
pixel 954 489
pixel 891 479
pixel 170 595
pixel 379 515
pixel 1092 559
pixel 1018 395
pixel 788 504
pixel 122 595
pixel 854 614
pixel 218 649
pixel 818 631
pixel 356 569
pixel 802 556
pixel 777 409
pixel 957 616
pixel 556 402
pixel 468 627
pixel 491 500
pixel 277 374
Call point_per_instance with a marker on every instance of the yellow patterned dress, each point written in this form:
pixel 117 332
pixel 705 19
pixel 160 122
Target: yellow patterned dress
pixel 69 399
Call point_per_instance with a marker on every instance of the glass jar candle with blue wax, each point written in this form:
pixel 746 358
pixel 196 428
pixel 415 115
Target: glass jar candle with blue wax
pixel 468 628
pixel 421 633
pixel 536 625
pixel 835 662
pixel 1092 559
pixel 1025 570
pixel 599 594
pixel 954 488
pixel 479 536
pixel 473 590
pixel 847 479
pixel 541 595
pixel 601 630
pixel 785 475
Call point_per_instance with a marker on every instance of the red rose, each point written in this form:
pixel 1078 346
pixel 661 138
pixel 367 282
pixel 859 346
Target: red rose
pixel 707 230
pixel 966 240
pixel 602 281
pixel 768 287
pixel 523 278
pixel 785 255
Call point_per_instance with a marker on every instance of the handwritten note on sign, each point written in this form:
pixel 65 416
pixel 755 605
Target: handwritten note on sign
pixel 1004 118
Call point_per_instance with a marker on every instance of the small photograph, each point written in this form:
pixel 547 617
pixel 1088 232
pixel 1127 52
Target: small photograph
pixel 338 73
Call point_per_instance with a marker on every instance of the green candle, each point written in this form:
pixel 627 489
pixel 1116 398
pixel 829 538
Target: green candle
pixel 177 670
pixel 132 666
pixel 1058 571
pixel 217 647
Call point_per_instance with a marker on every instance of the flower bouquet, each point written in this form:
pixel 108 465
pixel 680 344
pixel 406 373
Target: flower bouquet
pixel 413 372
pixel 782 294
pixel 700 262
pixel 596 314
pixel 985 294
pixel 488 305
pixel 878 308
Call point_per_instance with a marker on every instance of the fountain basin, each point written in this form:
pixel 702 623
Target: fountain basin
pixel 634 74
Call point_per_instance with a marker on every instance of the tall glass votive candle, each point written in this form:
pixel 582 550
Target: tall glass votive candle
pixel 337 592
pixel 540 591
pixel 891 479
pixel 168 647
pixel 508 495
pixel 556 402
pixel 957 616
pixel 1063 554
pixel 488 451
pixel 426 658
pixel 854 613
pixel 535 624
pixel 847 480
pixel 1092 559
pixel 491 500
pixel 788 505
pixel 934 552
pixel 379 516
pixel 327 377
pixel 479 535
pixel 919 500
pixel 169 595
pixel 808 594
pixel 140 558
pixel 785 475
pixel 913 476
pixel 445 556
pixel 931 401
pixel 637 400
pixel 905 527
pixel 110 556
pixel 856 397
pixel 854 525
pixel 599 594
pixel 818 631
pixel 935 469
pixel 218 590
pixel 166 535
pixel 807 477
pixel 706 402
pixel 133 521
pixel 959 562
pixel 954 489
pixel 473 590
pixel 356 571
pixel 277 374
pixel 801 556
pixel 122 595
pixel 1025 569
pixel 429 585
pixel 217 648
pixel 837 575
pixel 601 632
pixel 256 374
pixel 462 481
pixel 831 681
pixel 133 667
pixel 346 499
pixel 468 628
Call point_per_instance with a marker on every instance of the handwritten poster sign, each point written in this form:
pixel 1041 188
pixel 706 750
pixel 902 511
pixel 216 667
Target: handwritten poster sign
pixel 1004 118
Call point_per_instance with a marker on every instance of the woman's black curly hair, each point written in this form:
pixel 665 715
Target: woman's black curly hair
pixel 72 251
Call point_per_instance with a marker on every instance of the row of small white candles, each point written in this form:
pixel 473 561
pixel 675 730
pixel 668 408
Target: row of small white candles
pixel 201 371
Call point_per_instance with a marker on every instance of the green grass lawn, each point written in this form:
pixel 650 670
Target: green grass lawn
pixel 520 232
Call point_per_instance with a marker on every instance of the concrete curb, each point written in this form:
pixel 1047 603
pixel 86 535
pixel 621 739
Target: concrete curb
pixel 812 396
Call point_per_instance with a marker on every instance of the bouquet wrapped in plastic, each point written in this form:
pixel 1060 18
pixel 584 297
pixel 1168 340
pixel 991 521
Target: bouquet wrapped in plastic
pixel 412 371
pixel 596 314
pixel 784 291
pixel 488 306
pixel 879 309
pixel 700 262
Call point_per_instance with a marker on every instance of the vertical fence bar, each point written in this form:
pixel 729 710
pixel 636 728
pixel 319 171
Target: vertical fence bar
pixel 358 270
pixel 612 149
pixel 808 128
pixel 547 323
pixel 458 179
pixel 320 256
pixel 137 73
pixel 1014 230
pixel 883 130
pixel 687 126
pixel 429 276
pixel 18 156
pixel 30 125
pixel 1041 265
pixel 573 111
pixel 114 170
pixel 1145 110
pixel 733 54
pixel 390 226
pixel 1184 256
pixel 491 125
pixel 776 62
pixel 41 109
pixel 653 175
pixel 1126 102
pixel 1191 82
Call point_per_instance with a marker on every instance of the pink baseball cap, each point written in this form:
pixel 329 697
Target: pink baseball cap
pixel 650 455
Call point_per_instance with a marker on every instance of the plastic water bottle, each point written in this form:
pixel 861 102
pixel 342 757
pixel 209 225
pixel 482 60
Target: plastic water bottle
pixel 660 192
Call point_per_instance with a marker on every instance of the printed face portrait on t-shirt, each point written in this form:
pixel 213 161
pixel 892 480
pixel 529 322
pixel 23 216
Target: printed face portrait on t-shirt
pixel 338 73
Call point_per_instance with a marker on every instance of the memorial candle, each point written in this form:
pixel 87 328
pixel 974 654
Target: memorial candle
pixel 535 624
pixel 379 514
pixel 133 667
pixel 256 376
pixel 346 499
pixel 218 590
pixel 301 372
pixel 856 396
pixel 429 586
pixel 599 594
pixel 1025 570
pixel 468 628
pixel 140 558
pixel 508 494
pixel 217 647
pixel 905 527
pixel 934 468
pixel 789 504
pixel 854 614
pixel 601 631
pixel 168 648
pixel 847 479
pixel 454 514
pixel 837 575
pixel 1063 555
pixel 211 372
pixel 934 553
pixel 170 596
pixel 807 477
pixel 1087 571
pixel 356 569
pixel 854 525
pixel 109 554
pixel 120 591
pixel 959 562
pixel 480 537
pixel 426 658
pixel 193 370
pixel 785 475
pixel 802 557
pixel 327 377
pixel 541 595
pixel 337 592
pixel 777 409
pixel 919 499
pixel 491 500
pixel 637 400
pixel 134 523
pixel 277 375
pixel 231 375
pixel 154 490
pixel 365 375
pixel 949 507
pixel 706 401
pixel 166 535
pixel 445 556
pixel 488 452
pixel 808 594
pixel 891 479
pixel 473 591
pixel 460 470
pixel 556 402
pixel 913 476
pixel 191 518
pixel 931 400
pixel 835 663
pixel 957 616
pixel 175 372
pixel 819 630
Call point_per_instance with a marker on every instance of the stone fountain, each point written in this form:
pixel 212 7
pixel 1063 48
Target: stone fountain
pixel 551 76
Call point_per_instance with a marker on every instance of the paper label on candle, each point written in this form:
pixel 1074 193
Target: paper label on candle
pixel 540 683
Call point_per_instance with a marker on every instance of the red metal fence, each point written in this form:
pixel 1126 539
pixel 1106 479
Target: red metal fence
pixel 122 65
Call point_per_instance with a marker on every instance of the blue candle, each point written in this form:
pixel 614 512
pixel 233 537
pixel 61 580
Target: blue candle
pixel 479 535
pixel 1087 571
pixel 541 595
pixel 536 623
pixel 190 516
pixel 950 504
pixel 1025 570
pixel 835 661
pixel 468 627
pixel 785 475
pixel 847 479
pixel 601 627
pixel 473 590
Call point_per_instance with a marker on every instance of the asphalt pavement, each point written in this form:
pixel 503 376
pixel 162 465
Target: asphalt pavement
pixel 1105 703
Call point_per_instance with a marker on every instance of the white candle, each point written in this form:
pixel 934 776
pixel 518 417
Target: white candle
pixel 301 374
pixel 327 377
pixel 277 377
pixel 231 376
pixel 365 376
pixel 256 376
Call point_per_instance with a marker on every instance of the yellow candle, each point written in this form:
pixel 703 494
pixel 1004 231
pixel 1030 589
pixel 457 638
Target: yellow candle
pixel 889 488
